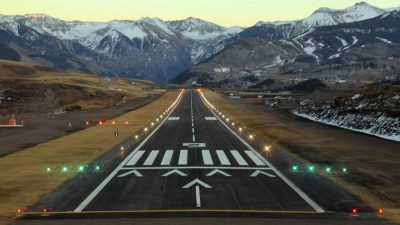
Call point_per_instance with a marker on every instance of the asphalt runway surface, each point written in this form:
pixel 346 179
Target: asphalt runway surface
pixel 194 163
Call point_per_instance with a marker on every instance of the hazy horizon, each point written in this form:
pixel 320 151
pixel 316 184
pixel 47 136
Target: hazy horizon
pixel 223 12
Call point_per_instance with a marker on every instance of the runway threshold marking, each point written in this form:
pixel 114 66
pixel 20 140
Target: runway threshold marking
pixel 239 159
pixel 207 160
pixel 100 187
pixel 135 158
pixel 167 158
pixel 196 167
pixel 150 159
pixel 183 155
pixel 303 195
pixel 222 158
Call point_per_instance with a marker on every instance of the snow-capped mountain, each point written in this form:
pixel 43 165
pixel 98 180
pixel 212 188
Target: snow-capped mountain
pixel 146 48
pixel 321 17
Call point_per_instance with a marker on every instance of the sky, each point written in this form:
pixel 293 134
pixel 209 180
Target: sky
pixel 223 12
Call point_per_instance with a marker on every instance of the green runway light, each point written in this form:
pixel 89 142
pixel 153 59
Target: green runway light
pixel 48 169
pixel 328 169
pixel 81 168
pixel 295 168
pixel 344 170
pixel 311 168
pixel 97 168
pixel 64 169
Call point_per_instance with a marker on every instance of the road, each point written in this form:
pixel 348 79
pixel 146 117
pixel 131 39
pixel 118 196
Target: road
pixel 193 163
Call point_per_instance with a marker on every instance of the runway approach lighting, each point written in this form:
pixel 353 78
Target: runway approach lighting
pixel 81 168
pixel 328 169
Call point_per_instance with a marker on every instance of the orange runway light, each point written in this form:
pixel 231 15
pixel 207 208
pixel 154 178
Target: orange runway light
pixel 113 122
pixel 380 211
pixel 100 122
pixel 87 123
pixel 126 122
pixel 354 210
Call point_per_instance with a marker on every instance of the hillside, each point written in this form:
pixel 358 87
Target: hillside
pixel 26 88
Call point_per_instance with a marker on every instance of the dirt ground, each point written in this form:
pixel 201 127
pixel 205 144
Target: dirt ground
pixel 44 127
pixel 23 176
pixel 373 163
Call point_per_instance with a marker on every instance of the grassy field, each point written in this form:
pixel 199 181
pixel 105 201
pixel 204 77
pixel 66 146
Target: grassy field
pixel 374 173
pixel 23 179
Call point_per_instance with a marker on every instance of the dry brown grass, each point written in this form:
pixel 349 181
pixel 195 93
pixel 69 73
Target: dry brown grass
pixel 374 179
pixel 23 180
pixel 88 91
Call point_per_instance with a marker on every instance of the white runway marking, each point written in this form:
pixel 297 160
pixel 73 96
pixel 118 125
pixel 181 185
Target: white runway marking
pixel 130 172
pixel 150 159
pixel 210 118
pixel 100 187
pixel 173 118
pixel 261 172
pixel 282 176
pixel 167 158
pixel 222 158
pixel 239 159
pixel 207 157
pixel 255 159
pixel 194 145
pixel 198 201
pixel 174 171
pixel 217 171
pixel 193 138
pixel 183 154
pixel 135 158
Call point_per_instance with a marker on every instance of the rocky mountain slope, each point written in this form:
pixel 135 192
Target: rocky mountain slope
pixel 148 48
pixel 374 110
pixel 350 53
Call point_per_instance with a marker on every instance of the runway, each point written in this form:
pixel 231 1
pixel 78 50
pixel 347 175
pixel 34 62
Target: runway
pixel 192 162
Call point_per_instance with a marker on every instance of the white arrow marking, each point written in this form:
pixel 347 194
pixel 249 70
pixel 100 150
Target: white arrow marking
pixel 198 182
pixel 218 171
pixel 174 171
pixel 130 172
pixel 262 172
pixel 198 201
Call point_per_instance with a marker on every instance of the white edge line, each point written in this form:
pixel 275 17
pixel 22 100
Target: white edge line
pixel 96 191
pixel 283 177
